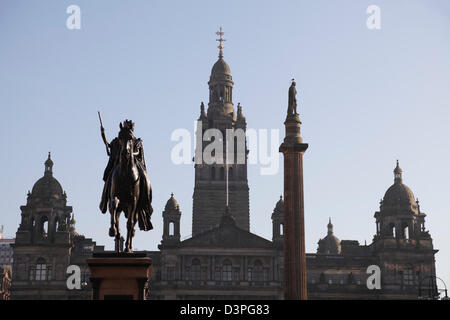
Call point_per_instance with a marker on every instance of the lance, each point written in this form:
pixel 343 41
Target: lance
pixel 103 132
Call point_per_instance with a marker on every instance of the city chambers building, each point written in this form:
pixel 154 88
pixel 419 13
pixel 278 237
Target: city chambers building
pixel 223 259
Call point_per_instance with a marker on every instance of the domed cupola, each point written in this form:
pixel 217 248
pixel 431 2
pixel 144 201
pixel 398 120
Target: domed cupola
pixel 171 204
pixel 47 187
pixel 399 195
pixel 330 244
pixel 277 223
pixel 46 217
pixel 220 70
pixel 171 223
pixel 399 215
pixel 221 84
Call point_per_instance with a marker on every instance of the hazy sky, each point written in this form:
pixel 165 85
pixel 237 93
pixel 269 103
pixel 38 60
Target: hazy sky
pixel 367 98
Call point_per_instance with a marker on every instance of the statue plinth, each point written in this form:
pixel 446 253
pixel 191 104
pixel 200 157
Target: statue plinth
pixel 119 276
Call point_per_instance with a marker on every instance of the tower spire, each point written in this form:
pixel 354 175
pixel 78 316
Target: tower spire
pixel 330 226
pixel 398 173
pixel 220 33
pixel 48 165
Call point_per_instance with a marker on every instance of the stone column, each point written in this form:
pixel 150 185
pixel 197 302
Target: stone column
pixel 294 225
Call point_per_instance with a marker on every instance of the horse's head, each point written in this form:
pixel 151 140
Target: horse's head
pixel 127 153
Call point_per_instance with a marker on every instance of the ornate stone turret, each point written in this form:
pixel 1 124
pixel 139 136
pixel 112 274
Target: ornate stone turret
pixel 403 246
pixel 210 176
pixel 277 223
pixel 44 239
pixel 171 220
pixel 46 216
pixel 399 216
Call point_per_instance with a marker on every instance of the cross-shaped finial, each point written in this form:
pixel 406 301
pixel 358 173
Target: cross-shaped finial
pixel 220 33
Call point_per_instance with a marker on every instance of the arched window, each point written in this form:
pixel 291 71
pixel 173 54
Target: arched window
pixel 230 173
pixel 44 224
pixel 171 228
pixel 32 224
pixel 226 271
pixel 392 229
pixel 213 173
pixel 405 231
pixel 56 224
pixel 281 229
pixel 222 173
pixel 195 269
pixel 257 274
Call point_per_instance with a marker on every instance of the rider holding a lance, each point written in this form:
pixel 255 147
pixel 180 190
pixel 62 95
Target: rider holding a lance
pixel 144 206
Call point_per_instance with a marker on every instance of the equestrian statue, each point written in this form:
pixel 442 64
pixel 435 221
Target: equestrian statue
pixel 127 186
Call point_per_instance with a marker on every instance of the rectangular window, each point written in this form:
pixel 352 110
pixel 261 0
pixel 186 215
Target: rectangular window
pixel 408 277
pixel 249 274
pixel 226 274
pixel 188 270
pixel 236 276
pixel 266 275
pixel 217 274
pixel 170 273
pixel 204 273
pixel 41 272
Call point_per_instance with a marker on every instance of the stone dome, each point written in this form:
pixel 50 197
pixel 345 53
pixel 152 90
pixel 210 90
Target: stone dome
pixel 48 186
pixel 398 193
pixel 220 68
pixel 330 244
pixel 280 205
pixel 172 204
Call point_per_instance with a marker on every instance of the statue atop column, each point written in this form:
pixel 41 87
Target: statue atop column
pixel 292 102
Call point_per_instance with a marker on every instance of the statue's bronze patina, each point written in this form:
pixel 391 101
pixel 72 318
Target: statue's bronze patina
pixel 127 186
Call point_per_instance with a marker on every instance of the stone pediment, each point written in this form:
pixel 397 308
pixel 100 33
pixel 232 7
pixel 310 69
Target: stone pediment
pixel 227 235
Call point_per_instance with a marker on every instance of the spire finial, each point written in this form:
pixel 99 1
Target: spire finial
pixel 48 165
pixel 330 226
pixel 202 111
pixel 398 173
pixel 220 33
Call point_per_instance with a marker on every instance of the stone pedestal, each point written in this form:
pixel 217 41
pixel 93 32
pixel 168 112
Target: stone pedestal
pixel 119 276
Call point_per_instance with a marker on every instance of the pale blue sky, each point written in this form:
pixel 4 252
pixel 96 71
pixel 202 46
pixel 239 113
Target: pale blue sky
pixel 366 99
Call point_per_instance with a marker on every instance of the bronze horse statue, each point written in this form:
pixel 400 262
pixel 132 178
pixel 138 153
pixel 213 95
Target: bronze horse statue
pixel 127 188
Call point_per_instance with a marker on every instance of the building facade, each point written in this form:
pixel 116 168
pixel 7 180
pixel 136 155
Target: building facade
pixel 224 260
pixel 6 250
pixel 47 243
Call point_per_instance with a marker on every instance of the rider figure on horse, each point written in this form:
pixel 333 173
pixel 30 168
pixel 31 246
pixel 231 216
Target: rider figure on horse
pixel 144 206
